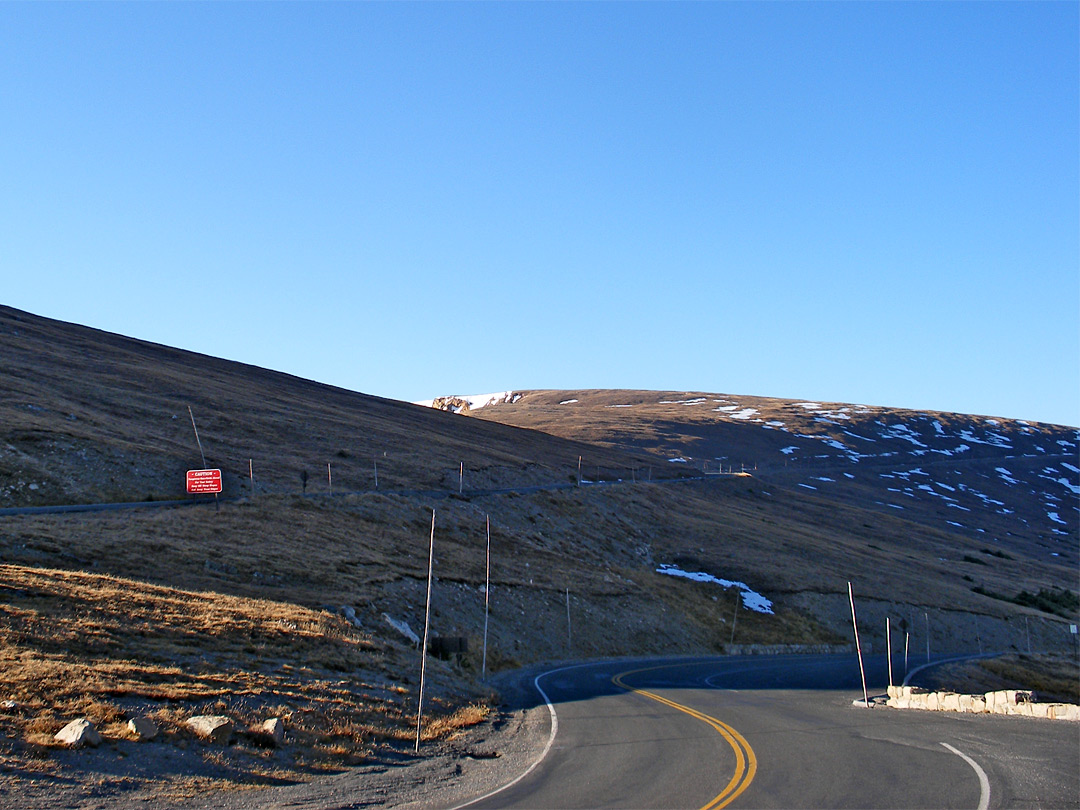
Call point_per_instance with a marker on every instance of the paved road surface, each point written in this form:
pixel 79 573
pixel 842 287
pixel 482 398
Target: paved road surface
pixel 779 732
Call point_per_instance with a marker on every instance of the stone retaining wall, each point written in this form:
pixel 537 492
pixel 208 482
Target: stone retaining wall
pixel 1011 701
pixel 787 649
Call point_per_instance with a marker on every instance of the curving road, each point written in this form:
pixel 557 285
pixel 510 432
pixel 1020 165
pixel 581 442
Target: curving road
pixel 776 732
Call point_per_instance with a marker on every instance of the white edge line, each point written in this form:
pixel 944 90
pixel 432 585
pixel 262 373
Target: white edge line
pixel 550 742
pixel 984 783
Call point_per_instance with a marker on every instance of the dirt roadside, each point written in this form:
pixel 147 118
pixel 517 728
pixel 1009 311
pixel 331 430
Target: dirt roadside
pixel 471 763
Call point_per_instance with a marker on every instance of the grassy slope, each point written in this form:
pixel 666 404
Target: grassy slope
pixel 90 416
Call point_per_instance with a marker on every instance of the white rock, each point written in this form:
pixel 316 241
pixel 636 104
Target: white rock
pixel 402 628
pixel 274 730
pixel 214 728
pixel 78 733
pixel 143 728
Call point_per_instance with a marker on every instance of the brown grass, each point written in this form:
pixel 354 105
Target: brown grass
pixel 74 645
pixel 1054 678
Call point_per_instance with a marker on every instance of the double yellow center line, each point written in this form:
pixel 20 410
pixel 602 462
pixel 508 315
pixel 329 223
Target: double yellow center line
pixel 745 761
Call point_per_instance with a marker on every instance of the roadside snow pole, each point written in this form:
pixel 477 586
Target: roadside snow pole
pixel 735 616
pixel 329 478
pixel 461 477
pixel 858 646
pixel 579 471
pixel 199 441
pixel 926 616
pixel 569 641
pixel 888 645
pixel 907 639
pixel 251 476
pixel 427 617
pixel 487 595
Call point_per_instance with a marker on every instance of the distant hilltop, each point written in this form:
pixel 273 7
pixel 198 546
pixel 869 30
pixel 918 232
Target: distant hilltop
pixel 470 402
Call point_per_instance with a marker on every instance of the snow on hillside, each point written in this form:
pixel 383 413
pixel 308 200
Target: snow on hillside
pixel 459 403
pixel 928 457
pixel 752 600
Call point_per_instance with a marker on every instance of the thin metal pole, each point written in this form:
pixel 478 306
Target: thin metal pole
pixel 569 641
pixel 888 645
pixel 735 617
pixel 197 436
pixel 579 471
pixel 427 618
pixel 461 477
pixel 907 639
pixel 251 476
pixel 487 595
pixel 329 478
pixel 927 617
pixel 858 646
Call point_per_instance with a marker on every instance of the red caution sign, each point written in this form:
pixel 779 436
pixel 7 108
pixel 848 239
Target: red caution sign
pixel 204 482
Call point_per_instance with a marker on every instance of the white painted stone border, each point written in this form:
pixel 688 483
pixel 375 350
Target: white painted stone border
pixel 1008 701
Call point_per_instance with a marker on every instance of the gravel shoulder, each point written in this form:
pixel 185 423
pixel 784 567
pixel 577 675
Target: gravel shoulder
pixel 446 773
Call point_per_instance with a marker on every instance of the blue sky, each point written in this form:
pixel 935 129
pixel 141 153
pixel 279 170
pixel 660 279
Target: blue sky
pixel 858 202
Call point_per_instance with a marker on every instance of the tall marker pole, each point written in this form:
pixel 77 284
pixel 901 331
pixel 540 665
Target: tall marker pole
pixel 569 641
pixel 888 645
pixel 858 646
pixel 735 616
pixel 926 616
pixel 487 595
pixel 427 618
pixel 197 436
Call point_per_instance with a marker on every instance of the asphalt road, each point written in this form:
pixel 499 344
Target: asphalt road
pixel 777 732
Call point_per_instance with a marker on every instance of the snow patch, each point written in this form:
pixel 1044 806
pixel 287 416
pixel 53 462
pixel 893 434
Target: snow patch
pixel 1006 476
pixel 471 402
pixel 751 599
pixel 745 413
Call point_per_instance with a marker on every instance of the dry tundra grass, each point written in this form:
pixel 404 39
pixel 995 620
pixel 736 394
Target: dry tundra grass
pixel 74 644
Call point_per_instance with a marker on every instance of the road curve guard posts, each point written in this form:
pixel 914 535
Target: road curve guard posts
pixel 203 482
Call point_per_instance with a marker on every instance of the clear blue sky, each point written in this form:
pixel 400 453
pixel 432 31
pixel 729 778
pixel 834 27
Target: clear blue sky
pixel 859 202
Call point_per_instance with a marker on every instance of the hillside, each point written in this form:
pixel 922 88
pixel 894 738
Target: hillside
pixel 1014 484
pixel 282 599
pixel 89 416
